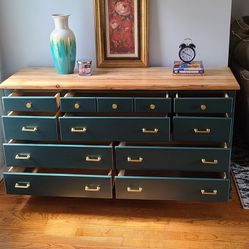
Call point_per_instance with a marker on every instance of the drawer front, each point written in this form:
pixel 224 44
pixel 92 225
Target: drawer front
pixel 153 105
pixel 65 185
pixel 114 129
pixel 78 104
pixel 201 129
pixel 115 105
pixel 172 188
pixel 58 156
pixel 172 158
pixel 30 128
pixel 31 104
pixel 203 105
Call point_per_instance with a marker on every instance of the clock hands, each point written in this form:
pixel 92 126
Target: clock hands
pixel 186 53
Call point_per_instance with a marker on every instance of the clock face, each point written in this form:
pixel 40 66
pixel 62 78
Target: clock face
pixel 187 54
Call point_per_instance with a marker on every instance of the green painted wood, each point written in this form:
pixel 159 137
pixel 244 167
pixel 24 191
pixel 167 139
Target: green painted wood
pixel 160 105
pixel 46 128
pixel 183 129
pixel 114 129
pixel 107 104
pixel 171 188
pixel 82 104
pixel 193 105
pixel 173 158
pixel 58 156
pixel 64 185
pixel 38 104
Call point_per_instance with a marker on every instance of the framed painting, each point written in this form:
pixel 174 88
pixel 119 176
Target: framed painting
pixel 121 33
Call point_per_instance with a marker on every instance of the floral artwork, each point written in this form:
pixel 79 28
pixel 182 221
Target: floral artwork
pixel 121 26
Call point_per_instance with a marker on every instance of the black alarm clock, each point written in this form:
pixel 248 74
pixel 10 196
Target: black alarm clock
pixel 187 51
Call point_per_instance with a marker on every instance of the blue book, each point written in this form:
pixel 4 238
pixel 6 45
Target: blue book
pixel 195 67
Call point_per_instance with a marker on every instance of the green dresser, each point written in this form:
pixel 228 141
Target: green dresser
pixel 121 133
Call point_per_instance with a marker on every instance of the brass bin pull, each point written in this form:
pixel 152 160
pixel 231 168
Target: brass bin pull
pixel 134 190
pixel 29 129
pixel 22 156
pixel 90 189
pixel 78 129
pixel 22 185
pixel 213 192
pixel 138 160
pixel 93 158
pixel 205 131
pixel 214 162
pixel 154 131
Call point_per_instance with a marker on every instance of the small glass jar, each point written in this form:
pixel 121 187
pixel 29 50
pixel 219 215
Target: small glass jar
pixel 84 67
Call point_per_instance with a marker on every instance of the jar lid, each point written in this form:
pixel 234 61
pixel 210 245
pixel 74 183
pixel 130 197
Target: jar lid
pixel 84 61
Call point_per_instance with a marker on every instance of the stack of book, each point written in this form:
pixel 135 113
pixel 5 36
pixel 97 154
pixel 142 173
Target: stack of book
pixel 193 68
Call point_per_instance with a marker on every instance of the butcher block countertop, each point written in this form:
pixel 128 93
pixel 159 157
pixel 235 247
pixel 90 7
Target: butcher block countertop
pixel 151 78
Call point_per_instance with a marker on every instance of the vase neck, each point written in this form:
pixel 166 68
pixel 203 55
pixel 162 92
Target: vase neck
pixel 61 21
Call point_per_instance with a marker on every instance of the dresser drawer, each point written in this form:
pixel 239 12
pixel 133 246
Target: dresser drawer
pixel 75 128
pixel 204 159
pixel 58 156
pixel 202 129
pixel 31 102
pixel 203 105
pixel 162 105
pixel 166 187
pixel 56 183
pixel 113 104
pixel 71 102
pixel 21 127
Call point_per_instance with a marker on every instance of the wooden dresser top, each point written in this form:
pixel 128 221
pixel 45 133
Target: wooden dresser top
pixel 152 78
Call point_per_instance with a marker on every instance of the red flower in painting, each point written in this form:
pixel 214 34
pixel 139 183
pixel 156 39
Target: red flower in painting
pixel 127 26
pixel 115 39
pixel 123 8
pixel 115 22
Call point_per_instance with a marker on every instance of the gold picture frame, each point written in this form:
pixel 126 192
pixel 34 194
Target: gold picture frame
pixel 133 53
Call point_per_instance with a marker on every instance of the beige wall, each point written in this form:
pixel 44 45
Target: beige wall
pixel 27 24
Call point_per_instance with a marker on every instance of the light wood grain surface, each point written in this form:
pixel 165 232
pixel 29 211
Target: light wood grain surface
pixel 70 223
pixel 122 79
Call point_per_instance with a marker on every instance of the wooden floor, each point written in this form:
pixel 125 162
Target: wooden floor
pixel 68 223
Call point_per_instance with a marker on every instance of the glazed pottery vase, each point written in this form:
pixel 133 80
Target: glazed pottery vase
pixel 63 45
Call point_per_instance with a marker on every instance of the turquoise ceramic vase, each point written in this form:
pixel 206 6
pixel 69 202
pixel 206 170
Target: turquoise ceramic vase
pixel 63 45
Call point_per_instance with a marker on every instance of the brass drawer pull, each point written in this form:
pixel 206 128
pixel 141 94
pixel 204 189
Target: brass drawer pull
pixel 204 192
pixel 203 107
pixel 134 190
pixel 22 156
pixel 198 131
pixel 114 106
pixel 22 185
pixel 214 162
pixel 28 105
pixel 93 158
pixel 78 129
pixel 89 189
pixel 154 131
pixel 138 160
pixel 152 106
pixel 29 129
pixel 76 106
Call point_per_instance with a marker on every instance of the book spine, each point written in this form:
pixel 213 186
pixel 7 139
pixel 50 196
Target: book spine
pixel 189 69
pixel 188 72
